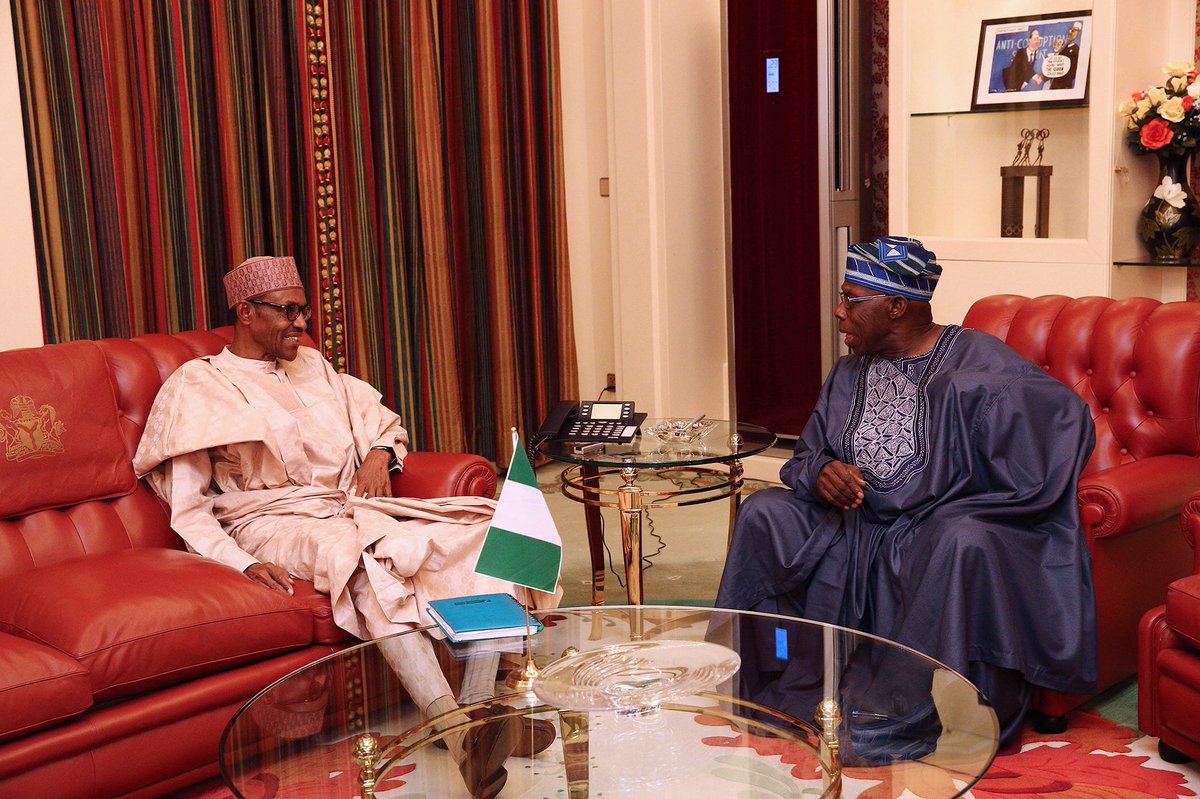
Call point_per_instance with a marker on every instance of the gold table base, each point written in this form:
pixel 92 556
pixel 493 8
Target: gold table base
pixel 581 483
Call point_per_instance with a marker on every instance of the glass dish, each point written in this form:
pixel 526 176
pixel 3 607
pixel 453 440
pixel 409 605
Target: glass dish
pixel 681 431
pixel 636 675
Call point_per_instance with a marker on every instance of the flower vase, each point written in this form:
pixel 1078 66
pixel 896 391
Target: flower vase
pixel 1169 224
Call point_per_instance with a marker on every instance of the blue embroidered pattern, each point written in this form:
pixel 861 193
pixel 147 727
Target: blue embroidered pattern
pixel 887 430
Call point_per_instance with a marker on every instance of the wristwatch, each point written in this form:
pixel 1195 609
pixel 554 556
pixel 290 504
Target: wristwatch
pixel 393 464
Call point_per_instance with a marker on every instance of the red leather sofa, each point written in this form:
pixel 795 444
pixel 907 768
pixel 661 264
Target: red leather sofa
pixel 1136 362
pixel 122 655
pixel 1169 660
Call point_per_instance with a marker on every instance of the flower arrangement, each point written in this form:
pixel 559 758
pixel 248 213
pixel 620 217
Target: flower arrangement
pixel 1165 120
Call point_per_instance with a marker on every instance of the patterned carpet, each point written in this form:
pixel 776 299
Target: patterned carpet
pixel 1096 758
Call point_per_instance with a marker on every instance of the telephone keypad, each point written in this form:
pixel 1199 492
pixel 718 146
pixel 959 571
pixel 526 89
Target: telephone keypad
pixel 589 430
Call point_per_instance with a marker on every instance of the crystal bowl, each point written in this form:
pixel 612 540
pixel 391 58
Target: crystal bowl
pixel 682 431
pixel 636 674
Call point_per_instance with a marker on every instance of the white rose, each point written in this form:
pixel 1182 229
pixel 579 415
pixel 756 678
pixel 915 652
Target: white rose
pixel 1177 69
pixel 1143 108
pixel 1172 110
pixel 1127 107
pixel 1176 83
pixel 1193 90
pixel 1156 94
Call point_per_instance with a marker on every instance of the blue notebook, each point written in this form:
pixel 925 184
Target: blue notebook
pixel 474 618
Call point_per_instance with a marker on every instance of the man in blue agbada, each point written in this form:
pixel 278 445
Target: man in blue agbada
pixel 931 498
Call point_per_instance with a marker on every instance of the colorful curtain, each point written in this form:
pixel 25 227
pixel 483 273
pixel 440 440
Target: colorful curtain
pixel 162 146
pixel 450 191
pixel 408 154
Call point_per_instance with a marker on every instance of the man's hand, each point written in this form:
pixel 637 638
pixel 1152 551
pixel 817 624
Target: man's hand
pixel 271 575
pixel 840 484
pixel 372 479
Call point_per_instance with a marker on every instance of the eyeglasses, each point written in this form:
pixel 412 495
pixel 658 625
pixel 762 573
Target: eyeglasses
pixel 850 300
pixel 291 311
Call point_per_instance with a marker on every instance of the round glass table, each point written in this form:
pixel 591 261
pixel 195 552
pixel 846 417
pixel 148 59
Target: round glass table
pixel 646 701
pixel 710 459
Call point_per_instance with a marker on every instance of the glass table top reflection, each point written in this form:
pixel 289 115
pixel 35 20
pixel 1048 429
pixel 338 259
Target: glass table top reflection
pixel 646 701
pixel 722 440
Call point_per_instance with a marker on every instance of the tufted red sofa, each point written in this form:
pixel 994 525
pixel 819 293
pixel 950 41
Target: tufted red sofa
pixel 122 655
pixel 1136 362
pixel 1169 659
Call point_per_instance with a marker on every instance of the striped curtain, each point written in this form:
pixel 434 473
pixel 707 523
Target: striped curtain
pixel 450 189
pixel 162 147
pixel 408 154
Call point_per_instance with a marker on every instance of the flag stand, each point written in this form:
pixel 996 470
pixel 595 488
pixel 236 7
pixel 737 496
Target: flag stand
pixel 521 680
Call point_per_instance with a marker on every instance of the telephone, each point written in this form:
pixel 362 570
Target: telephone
pixel 609 422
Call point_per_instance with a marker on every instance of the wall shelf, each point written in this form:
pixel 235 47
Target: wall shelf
pixel 1144 260
pixel 967 111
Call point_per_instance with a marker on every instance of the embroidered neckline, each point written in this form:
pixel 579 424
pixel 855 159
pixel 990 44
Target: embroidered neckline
pixel 251 364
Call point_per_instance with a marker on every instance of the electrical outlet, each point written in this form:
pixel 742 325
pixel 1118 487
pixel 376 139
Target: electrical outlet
pixel 611 385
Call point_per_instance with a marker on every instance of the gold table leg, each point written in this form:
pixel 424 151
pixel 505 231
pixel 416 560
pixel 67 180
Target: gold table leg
pixel 574 725
pixel 829 716
pixel 629 500
pixel 735 498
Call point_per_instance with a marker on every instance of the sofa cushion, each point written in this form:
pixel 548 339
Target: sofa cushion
pixel 39 686
pixel 58 423
pixel 140 619
pixel 1183 608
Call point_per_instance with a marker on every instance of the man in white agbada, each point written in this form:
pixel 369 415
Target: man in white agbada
pixel 276 465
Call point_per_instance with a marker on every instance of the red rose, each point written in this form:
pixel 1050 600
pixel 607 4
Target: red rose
pixel 1156 134
pixel 1188 102
pixel 1139 96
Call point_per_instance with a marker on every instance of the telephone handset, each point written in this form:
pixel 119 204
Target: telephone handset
pixel 610 422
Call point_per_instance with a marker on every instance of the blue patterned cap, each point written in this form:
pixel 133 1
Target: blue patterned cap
pixel 894 265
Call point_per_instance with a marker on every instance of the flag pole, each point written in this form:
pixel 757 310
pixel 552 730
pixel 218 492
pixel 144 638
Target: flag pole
pixel 521 680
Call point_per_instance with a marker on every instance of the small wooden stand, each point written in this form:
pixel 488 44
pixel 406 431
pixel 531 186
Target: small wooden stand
pixel 1012 200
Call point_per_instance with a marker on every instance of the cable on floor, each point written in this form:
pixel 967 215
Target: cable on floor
pixel 647 559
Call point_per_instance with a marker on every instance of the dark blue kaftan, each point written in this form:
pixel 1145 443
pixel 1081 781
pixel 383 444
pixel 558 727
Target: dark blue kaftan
pixel 967 546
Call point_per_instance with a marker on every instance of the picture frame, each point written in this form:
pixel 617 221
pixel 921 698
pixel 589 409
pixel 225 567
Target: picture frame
pixel 1034 61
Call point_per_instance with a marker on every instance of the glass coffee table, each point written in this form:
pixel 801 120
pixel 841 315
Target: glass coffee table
pixel 647 701
pixel 608 478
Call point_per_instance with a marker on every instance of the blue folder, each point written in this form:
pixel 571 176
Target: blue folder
pixel 474 618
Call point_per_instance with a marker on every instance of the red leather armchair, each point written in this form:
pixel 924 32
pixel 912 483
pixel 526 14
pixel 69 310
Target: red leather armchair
pixel 1136 362
pixel 1169 660
pixel 122 656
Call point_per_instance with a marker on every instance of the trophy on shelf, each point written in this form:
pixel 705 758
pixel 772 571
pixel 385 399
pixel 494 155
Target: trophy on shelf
pixel 1012 186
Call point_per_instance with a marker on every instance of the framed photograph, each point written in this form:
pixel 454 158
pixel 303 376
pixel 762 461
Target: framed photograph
pixel 1038 60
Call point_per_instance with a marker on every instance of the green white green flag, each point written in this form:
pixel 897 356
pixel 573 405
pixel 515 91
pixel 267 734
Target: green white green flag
pixel 522 545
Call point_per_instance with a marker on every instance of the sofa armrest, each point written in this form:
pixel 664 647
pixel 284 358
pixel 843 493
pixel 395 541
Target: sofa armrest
pixel 1133 495
pixel 447 474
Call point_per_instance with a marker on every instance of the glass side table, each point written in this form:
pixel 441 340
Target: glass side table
pixel 589 478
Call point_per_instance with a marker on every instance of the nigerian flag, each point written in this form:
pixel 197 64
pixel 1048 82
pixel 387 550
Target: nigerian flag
pixel 522 544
